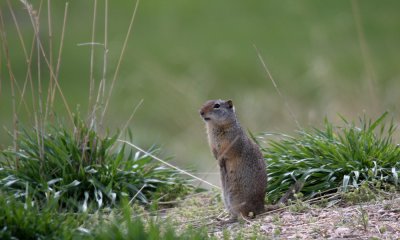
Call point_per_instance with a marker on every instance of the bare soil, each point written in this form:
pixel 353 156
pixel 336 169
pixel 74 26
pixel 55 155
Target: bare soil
pixel 379 219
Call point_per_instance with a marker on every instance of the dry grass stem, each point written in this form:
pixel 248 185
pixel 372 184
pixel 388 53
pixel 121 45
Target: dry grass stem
pixel 269 75
pixel 59 55
pixel 131 117
pixel 50 36
pixel 365 53
pixel 91 80
pixel 102 85
pixel 134 197
pixel 120 59
pixel 168 164
pixel 28 61
pixel 12 81
pixel 41 52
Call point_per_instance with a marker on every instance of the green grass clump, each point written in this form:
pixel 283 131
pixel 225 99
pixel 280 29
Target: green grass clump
pixel 124 226
pixel 333 158
pixel 81 168
pixel 26 220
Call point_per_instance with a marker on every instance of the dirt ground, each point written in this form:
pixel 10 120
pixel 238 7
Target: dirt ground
pixel 379 219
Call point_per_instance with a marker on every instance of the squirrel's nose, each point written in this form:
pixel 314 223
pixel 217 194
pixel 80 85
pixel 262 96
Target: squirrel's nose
pixel 201 113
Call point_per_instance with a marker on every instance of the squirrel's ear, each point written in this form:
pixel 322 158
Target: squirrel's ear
pixel 230 103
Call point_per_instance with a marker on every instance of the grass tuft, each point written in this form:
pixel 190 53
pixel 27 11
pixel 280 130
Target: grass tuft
pixel 333 158
pixel 80 166
pixel 26 220
pixel 124 226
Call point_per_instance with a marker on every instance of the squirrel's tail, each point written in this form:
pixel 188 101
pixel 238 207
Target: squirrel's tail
pixel 295 188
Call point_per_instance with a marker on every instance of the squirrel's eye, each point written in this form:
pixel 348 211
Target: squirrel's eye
pixel 216 105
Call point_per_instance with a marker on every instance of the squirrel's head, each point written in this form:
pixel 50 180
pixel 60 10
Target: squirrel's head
pixel 218 112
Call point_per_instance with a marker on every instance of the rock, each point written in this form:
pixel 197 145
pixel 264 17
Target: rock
pixel 342 231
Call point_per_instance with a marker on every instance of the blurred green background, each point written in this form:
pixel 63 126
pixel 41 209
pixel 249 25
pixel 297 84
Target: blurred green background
pixel 327 57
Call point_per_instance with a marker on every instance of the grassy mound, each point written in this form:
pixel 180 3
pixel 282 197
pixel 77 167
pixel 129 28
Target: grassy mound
pixel 333 158
pixel 82 168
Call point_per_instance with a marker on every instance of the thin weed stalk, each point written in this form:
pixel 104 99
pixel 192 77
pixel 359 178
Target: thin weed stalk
pixel 91 80
pixel 1 71
pixel 365 53
pixel 120 59
pixel 168 164
pixel 28 59
pixel 42 52
pixel 59 56
pixel 269 75
pixel 50 37
pixel 130 117
pixel 12 81
pixel 102 85
pixel 39 118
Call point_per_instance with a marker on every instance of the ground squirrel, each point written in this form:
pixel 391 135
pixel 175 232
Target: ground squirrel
pixel 241 163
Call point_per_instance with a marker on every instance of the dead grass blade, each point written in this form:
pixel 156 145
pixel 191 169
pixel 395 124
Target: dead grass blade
pixel 269 75
pixel 168 164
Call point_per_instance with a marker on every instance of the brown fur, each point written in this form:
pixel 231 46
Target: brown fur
pixel 241 164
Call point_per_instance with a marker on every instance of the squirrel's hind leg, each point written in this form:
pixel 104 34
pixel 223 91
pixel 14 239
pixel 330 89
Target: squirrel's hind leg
pixel 227 221
pixel 231 219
